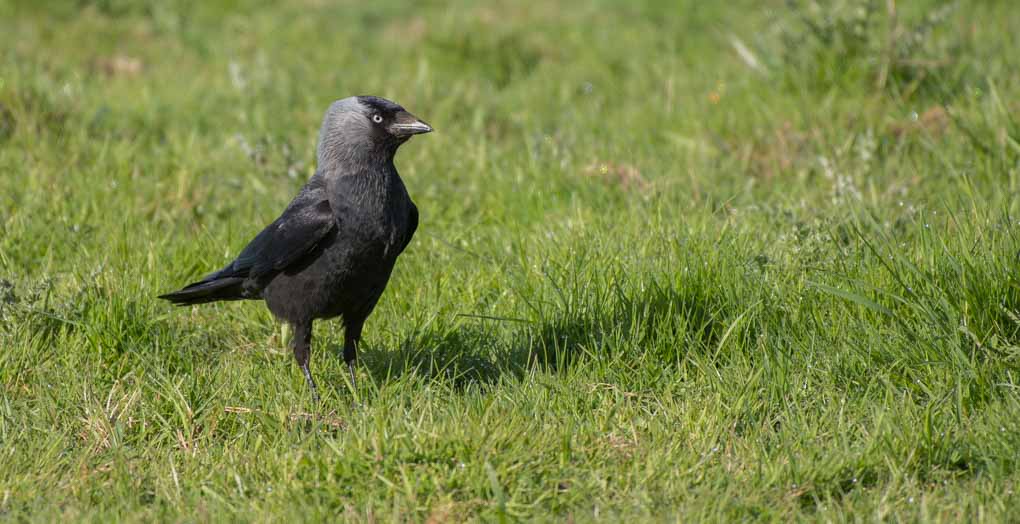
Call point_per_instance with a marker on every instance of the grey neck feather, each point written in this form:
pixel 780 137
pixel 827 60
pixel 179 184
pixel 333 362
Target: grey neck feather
pixel 356 168
pixel 346 144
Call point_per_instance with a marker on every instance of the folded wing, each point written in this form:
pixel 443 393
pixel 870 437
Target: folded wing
pixel 305 222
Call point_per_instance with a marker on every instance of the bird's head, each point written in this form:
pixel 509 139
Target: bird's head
pixel 366 125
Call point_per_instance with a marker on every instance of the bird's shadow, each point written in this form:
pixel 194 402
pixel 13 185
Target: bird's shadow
pixel 482 350
pixel 462 355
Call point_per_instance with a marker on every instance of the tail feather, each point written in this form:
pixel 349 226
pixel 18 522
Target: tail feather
pixel 209 290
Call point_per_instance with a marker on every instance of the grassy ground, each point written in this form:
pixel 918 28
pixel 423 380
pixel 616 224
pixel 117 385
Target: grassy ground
pixel 676 260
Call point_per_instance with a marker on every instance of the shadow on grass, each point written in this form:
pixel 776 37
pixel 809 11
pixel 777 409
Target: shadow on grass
pixel 463 355
pixel 481 350
pixel 666 321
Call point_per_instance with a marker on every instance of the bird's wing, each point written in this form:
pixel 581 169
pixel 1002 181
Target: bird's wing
pixel 289 238
pixel 412 225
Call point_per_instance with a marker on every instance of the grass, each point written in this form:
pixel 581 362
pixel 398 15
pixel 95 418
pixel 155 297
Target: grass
pixel 676 261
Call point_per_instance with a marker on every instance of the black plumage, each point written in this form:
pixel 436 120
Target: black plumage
pixel 332 250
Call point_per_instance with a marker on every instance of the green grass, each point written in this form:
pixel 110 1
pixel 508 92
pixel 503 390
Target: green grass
pixel 656 277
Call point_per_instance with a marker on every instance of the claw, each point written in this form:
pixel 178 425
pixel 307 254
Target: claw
pixel 350 367
pixel 311 383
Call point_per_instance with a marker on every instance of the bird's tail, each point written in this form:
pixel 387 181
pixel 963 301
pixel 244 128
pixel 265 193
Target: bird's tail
pixel 210 289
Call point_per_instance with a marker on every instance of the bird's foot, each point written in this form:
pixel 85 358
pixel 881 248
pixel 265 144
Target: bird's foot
pixel 311 384
pixel 354 381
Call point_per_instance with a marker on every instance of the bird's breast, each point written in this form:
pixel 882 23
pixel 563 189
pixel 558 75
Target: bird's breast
pixel 371 210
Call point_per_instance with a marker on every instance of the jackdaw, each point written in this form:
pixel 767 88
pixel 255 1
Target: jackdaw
pixel 332 250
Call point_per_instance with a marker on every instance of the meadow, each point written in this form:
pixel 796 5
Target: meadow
pixel 677 261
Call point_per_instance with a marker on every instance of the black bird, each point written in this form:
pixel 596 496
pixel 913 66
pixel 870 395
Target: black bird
pixel 332 250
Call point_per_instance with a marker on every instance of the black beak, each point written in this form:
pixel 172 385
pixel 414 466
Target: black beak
pixel 405 124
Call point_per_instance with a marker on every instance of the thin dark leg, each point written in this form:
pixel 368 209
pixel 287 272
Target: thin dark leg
pixel 302 345
pixel 352 337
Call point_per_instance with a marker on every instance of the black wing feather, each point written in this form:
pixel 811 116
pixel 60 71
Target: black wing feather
pixel 285 241
pixel 305 222
pixel 412 226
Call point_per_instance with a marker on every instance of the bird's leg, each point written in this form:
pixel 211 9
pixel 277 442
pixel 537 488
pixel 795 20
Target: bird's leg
pixel 302 345
pixel 352 337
